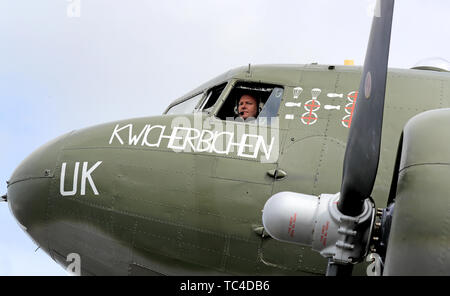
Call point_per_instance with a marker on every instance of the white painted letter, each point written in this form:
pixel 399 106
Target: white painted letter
pixel 266 149
pixel 63 176
pixel 243 145
pixel 173 138
pixel 149 129
pixel 205 142
pixel 133 139
pixel 221 142
pixel 87 175
pixel 116 130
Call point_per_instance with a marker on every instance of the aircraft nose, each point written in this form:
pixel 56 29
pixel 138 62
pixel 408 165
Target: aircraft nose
pixel 28 189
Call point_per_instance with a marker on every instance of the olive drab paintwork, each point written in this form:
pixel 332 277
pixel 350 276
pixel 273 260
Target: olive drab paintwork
pixel 197 209
pixel 423 231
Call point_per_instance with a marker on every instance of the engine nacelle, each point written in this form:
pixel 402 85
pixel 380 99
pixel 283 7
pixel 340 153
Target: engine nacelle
pixel 419 240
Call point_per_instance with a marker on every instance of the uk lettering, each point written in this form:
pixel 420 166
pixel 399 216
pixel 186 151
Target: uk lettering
pixel 86 175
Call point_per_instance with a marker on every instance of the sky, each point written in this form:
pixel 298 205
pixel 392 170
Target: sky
pixel 69 64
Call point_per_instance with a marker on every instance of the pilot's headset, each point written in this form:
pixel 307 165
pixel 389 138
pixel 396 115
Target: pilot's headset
pixel 258 102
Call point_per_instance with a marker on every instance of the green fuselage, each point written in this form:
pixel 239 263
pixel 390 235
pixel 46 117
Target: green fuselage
pixel 140 196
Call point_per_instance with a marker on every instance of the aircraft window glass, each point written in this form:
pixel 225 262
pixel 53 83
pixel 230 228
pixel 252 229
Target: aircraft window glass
pixel 271 106
pixel 268 99
pixel 185 107
pixel 212 97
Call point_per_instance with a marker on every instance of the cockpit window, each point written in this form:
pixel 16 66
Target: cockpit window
pixel 271 107
pixel 211 98
pixel 266 98
pixel 185 107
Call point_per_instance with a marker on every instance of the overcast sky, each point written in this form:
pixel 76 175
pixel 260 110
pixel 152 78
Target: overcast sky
pixel 65 64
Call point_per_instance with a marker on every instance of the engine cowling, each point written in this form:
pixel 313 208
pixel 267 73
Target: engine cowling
pixel 419 240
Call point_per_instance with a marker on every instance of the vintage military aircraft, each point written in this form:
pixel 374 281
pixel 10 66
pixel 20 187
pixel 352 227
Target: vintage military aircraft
pixel 198 191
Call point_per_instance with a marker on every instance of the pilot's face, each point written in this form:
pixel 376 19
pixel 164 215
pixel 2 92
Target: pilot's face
pixel 247 107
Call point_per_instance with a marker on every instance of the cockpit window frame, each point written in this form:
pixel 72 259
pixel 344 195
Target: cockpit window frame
pixel 205 100
pixel 171 106
pixel 205 93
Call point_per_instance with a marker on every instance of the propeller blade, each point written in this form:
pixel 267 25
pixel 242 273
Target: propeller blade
pixel 363 144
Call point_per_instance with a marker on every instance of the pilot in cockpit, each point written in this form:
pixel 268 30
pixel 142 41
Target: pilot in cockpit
pixel 247 108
